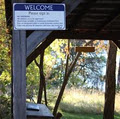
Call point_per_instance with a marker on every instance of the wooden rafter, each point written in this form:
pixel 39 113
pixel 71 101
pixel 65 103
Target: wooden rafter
pixel 113 16
pixel 98 16
pixel 72 34
pixel 117 43
pixel 107 5
pixel 80 13
pixel 39 50
pixel 35 39
pixel 8 14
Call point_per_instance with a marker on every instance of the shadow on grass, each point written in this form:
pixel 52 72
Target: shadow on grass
pixel 82 108
pixel 117 116
pixel 81 116
pixel 84 116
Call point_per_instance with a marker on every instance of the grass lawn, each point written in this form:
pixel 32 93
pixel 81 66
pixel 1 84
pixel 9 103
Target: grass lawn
pixel 82 104
pixel 84 116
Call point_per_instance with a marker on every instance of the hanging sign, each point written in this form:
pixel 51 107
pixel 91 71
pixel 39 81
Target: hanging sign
pixel 35 16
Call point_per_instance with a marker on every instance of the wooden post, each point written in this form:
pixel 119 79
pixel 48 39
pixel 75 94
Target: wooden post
pixel 42 78
pixel 110 83
pixel 19 72
pixel 42 84
pixel 66 78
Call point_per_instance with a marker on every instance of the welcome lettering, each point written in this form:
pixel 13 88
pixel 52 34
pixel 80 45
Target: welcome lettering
pixel 39 7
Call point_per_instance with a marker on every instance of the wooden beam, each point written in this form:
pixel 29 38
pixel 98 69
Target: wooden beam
pixel 102 4
pixel 38 50
pixel 111 17
pixel 8 10
pixel 35 39
pixel 19 72
pixel 85 49
pixel 85 34
pixel 80 13
pixel 38 36
pixel 117 43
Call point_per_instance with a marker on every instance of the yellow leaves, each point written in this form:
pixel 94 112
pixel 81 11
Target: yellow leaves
pixel 2 17
pixel 55 50
pixel 4 38
pixel 4 45
pixel 49 59
pixel 100 45
pixel 5 76
pixel 118 52
pixel 67 50
pixel 7 31
pixel 58 46
pixel 2 6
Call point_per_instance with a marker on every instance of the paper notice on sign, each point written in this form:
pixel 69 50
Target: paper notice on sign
pixel 39 16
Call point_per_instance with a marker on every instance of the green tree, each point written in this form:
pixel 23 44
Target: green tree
pixel 5 52
pixel 87 62
pixel 51 60
pixel 5 64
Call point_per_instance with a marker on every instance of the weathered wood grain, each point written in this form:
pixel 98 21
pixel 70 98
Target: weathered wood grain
pixel 110 81
pixel 84 35
pixel 19 72
pixel 39 50
pixel 43 113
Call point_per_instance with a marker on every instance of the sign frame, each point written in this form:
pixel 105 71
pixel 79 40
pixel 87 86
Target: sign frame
pixel 61 25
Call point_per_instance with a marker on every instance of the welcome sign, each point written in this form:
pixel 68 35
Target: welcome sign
pixel 35 16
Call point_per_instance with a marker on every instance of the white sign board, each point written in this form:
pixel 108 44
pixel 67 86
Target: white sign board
pixel 35 16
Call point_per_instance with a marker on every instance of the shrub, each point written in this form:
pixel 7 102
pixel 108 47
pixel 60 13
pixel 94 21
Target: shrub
pixel 5 107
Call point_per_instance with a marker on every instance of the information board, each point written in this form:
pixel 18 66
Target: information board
pixel 36 16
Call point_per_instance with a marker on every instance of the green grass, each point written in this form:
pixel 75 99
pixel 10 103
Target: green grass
pixel 84 116
pixel 81 116
pixel 85 102
pixel 82 104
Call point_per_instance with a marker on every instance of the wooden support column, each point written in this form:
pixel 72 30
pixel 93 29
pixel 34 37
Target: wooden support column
pixel 42 84
pixel 42 78
pixel 110 83
pixel 19 72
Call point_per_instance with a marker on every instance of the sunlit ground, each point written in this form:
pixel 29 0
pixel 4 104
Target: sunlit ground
pixel 85 116
pixel 83 104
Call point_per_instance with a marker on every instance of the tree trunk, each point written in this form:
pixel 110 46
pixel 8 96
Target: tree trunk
pixel 118 78
pixel 110 83
pixel 41 86
pixel 66 78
